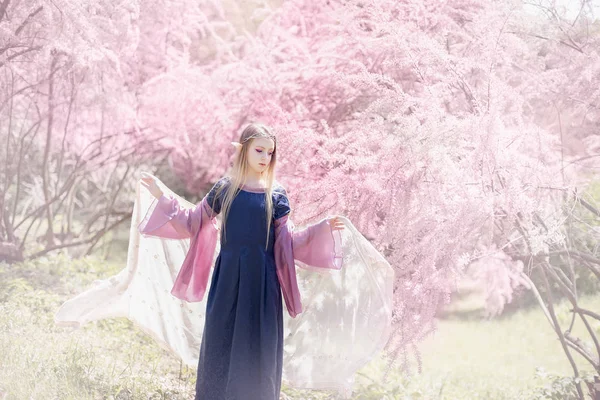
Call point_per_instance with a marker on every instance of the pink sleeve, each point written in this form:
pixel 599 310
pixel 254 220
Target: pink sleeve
pixel 285 267
pixel 192 280
pixel 316 246
pixel 167 219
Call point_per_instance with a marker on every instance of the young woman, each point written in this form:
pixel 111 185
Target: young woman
pixel 241 355
pixel 339 300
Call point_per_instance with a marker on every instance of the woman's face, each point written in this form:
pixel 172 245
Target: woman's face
pixel 260 153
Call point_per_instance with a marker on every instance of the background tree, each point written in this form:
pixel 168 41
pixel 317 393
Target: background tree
pixel 425 123
pixel 563 262
pixel 418 118
pixel 65 123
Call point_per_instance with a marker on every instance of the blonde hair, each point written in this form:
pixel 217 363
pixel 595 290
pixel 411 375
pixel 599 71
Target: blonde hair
pixel 238 173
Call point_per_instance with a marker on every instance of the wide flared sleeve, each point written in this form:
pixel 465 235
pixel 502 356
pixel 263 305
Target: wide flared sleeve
pixel 316 246
pixel 168 218
pixel 155 289
pixel 338 318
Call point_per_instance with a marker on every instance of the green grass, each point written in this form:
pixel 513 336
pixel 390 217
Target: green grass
pixel 505 358
pixel 113 359
pixel 498 358
pixel 109 359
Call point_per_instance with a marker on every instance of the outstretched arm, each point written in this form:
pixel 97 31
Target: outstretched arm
pixel 167 218
pixel 316 245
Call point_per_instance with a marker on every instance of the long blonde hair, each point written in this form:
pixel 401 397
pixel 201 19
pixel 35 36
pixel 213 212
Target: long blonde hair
pixel 238 173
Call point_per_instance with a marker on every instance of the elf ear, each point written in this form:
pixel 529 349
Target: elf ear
pixel 237 145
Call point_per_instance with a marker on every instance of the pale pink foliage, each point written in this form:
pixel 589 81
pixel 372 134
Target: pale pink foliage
pixel 499 276
pixel 81 45
pixel 411 118
pixel 418 120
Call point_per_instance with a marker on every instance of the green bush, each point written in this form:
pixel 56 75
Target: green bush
pixel 555 387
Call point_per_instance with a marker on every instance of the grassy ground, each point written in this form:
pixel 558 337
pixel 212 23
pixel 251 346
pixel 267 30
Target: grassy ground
pixel 498 359
pixel 112 359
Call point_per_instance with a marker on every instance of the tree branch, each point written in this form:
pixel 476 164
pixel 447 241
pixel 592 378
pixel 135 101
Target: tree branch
pixel 561 337
pixel 97 235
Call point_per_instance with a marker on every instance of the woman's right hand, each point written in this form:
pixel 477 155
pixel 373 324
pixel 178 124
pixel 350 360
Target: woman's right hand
pixel 149 183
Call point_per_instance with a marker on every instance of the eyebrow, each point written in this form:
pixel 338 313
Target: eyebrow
pixel 270 148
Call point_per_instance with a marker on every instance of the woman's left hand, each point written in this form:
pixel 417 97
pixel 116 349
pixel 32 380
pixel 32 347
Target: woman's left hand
pixel 336 223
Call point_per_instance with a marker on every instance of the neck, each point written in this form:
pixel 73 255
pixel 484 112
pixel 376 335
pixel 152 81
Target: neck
pixel 254 178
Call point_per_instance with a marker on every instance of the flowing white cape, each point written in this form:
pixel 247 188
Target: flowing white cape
pixel 346 318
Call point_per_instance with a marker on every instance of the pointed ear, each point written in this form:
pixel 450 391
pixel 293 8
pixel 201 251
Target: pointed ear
pixel 238 146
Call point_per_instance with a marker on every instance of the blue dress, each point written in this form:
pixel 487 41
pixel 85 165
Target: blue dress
pixel 241 354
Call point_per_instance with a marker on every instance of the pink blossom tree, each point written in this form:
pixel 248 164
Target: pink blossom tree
pixel 72 108
pixel 425 123
pixel 65 124
pixel 414 119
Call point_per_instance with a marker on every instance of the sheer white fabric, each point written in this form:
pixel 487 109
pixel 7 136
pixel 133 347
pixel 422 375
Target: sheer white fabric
pixel 346 318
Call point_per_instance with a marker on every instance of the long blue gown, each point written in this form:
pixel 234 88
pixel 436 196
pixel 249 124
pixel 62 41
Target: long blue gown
pixel 241 355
